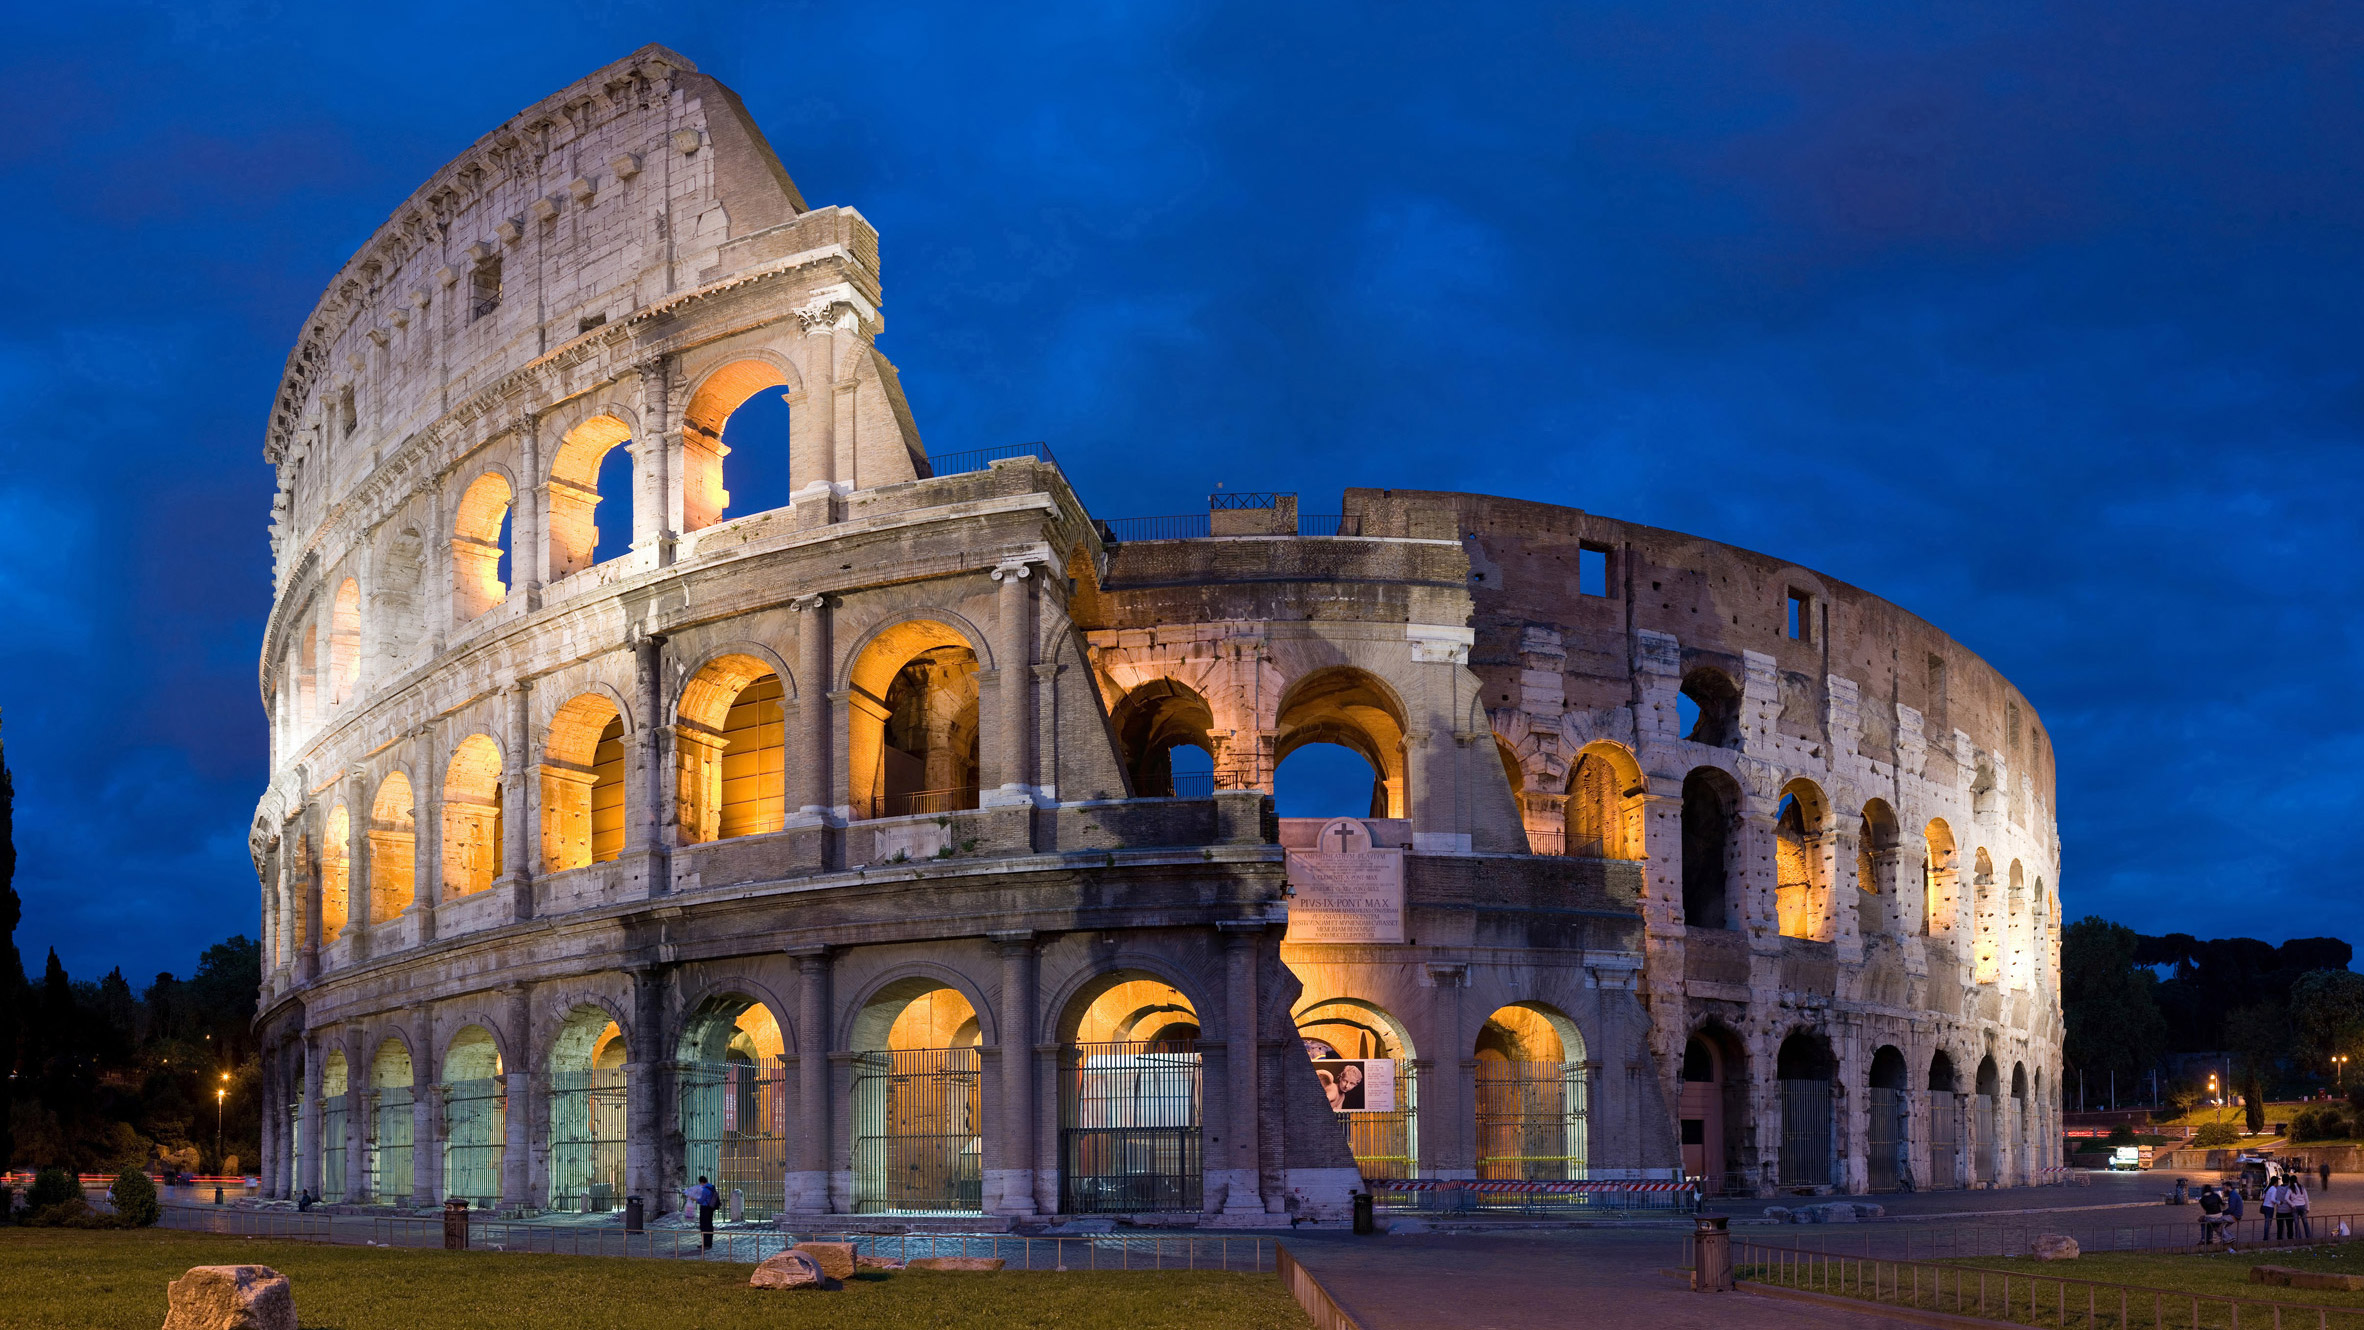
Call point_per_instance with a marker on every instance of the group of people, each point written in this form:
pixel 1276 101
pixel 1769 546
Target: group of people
pixel 2283 1205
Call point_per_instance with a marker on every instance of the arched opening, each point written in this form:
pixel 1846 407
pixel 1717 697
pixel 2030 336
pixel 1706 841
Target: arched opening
pixel 588 1090
pixel 583 785
pixel 1983 1108
pixel 1156 724
pixel 344 643
pixel 734 1102
pixel 756 440
pixel 480 544
pixel 2018 1123
pixel 1887 1102
pixel 1364 1060
pixel 1938 880
pixel 1714 1100
pixel 2015 929
pixel 472 825
pixel 1800 894
pixel 335 1081
pixel 475 1118
pixel 917 1102
pixel 733 777
pixel 1350 709
pixel 1327 780
pixel 1605 804
pixel 336 876
pixel 307 678
pixel 1711 809
pixel 1945 1121
pixel 1804 1069
pixel 390 1175
pixel 593 467
pixel 398 601
pixel 912 746
pixel 393 850
pixel 711 408
pixel 1531 1096
pixel 1130 1099
pixel 1986 949
pixel 1876 902
pixel 1708 708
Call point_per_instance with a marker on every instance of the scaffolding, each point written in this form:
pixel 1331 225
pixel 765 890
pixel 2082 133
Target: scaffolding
pixel 587 1112
pixel 734 1127
pixel 1129 1129
pixel 916 1147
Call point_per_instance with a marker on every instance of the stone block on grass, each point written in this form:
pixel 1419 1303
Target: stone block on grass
pixel 230 1297
pixel 2056 1247
pixel 836 1259
pixel 953 1263
pixel 790 1270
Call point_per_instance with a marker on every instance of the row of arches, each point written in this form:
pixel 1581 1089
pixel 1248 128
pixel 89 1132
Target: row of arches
pixel 1923 1129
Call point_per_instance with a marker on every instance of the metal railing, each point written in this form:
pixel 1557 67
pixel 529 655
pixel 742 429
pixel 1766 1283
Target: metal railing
pixel 1329 524
pixel 1904 1238
pixel 673 1241
pixel 1238 501
pixel 1197 526
pixel 2061 1301
pixel 1482 1197
pixel 978 459
pixel 914 803
pixel 1319 1306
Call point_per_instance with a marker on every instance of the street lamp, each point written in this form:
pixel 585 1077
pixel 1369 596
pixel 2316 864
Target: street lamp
pixel 220 1093
pixel 2339 1065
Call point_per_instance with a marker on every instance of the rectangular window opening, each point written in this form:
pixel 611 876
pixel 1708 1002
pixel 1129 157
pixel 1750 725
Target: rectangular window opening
pixel 484 289
pixel 1592 570
pixel 1801 616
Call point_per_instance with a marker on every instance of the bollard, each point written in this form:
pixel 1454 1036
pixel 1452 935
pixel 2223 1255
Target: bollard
pixel 632 1214
pixel 1711 1260
pixel 217 1193
pixel 455 1224
pixel 1363 1226
pixel 738 1205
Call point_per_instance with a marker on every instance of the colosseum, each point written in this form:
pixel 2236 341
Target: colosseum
pixel 906 850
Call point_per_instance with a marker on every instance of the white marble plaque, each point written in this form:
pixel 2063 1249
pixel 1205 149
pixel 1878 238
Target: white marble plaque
pixel 1345 889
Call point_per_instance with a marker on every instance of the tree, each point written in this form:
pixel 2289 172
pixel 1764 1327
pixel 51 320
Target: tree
pixel 2109 1001
pixel 2328 1007
pixel 2258 1036
pixel 12 966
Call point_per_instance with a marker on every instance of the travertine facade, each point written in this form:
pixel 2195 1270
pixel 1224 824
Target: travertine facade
pixel 838 850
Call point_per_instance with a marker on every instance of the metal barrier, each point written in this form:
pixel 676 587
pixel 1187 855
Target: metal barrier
pixel 2061 1301
pixel 977 459
pixel 1329 524
pixel 1185 526
pixel 1112 1251
pixel 1323 1309
pixel 1904 1238
pixel 1435 1195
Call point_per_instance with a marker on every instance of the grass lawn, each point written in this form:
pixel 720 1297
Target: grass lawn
pixel 64 1280
pixel 2225 1274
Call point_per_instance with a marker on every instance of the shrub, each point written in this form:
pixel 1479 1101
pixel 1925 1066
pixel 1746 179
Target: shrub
pixel 2121 1135
pixel 2211 1134
pixel 135 1198
pixel 53 1186
pixel 2320 1124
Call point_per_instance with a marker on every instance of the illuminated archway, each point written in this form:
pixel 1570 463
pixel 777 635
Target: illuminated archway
pixel 575 495
pixel 1361 1054
pixel 1353 709
pixel 588 1091
pixel 393 850
pixel 1153 722
pixel 583 785
pixel 480 543
pixel 717 396
pixel 1939 875
pixel 1129 1098
pixel 1532 1095
pixel 913 744
pixel 1605 804
pixel 336 877
pixel 472 818
pixel 475 1118
pixel 1878 907
pixel 732 777
pixel 1801 894
pixel 344 643
pixel 734 1101
pixel 918 1100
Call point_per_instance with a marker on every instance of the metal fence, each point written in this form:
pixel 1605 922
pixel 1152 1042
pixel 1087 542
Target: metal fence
pixel 1129 1127
pixel 2061 1301
pixel 1483 1197
pixel 1387 1145
pixel 1956 1239
pixel 1197 526
pixel 587 1111
pixel 917 1149
pixel 1805 1133
pixel 475 1136
pixel 977 459
pixel 734 1127
pixel 1329 524
pixel 1531 1120
pixel 1240 1255
pixel 1945 1157
pixel 1884 1141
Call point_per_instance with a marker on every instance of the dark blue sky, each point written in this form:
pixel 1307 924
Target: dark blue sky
pixel 2040 320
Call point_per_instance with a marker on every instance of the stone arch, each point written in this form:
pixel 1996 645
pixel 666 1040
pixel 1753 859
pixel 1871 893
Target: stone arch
pixel 1879 908
pixel 1986 1121
pixel 1887 1104
pixel 1361 1041
pixel 730 746
pixel 1605 803
pixel 393 848
pixel 1063 1006
pixel 344 643
pixel 729 995
pixel 473 829
pixel 476 1049
pixel 917 1130
pixel 1712 1105
pixel 1354 709
pixel 589 1079
pixel 336 869
pixel 734 1096
pixel 1712 849
pixel 1150 722
pixel 482 536
pixel 1533 1091
pixel 584 775
pixel 1715 702
pixel 1801 827
pixel 716 394
pixel 867 1019
pixel 1940 874
pixel 1130 1100
pixel 572 510
pixel 1806 1071
pixel 913 723
pixel 475 1112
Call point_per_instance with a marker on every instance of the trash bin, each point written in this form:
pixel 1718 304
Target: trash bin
pixel 632 1214
pixel 1711 1255
pixel 1362 1214
pixel 455 1224
pixel 217 1193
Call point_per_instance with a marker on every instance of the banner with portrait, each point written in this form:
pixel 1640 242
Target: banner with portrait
pixel 1357 1085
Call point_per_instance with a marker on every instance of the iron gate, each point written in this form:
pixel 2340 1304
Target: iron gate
pixel 1945 1154
pixel 332 1148
pixel 1885 1142
pixel 1805 1133
pixel 587 1111
pixel 475 1136
pixel 916 1147
pixel 390 1145
pixel 1530 1121
pixel 734 1127
pixel 1129 1127
pixel 1387 1145
pixel 1982 1137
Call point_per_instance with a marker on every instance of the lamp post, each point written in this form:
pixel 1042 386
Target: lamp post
pixel 2339 1065
pixel 220 1094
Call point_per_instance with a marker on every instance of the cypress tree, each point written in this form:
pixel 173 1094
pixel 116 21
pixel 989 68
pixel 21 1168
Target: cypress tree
pixel 12 970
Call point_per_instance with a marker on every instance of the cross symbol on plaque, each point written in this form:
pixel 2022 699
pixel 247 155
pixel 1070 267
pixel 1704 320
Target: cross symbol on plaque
pixel 1340 831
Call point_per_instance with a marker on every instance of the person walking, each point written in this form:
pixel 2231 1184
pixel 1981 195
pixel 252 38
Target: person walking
pixel 2323 1170
pixel 705 1198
